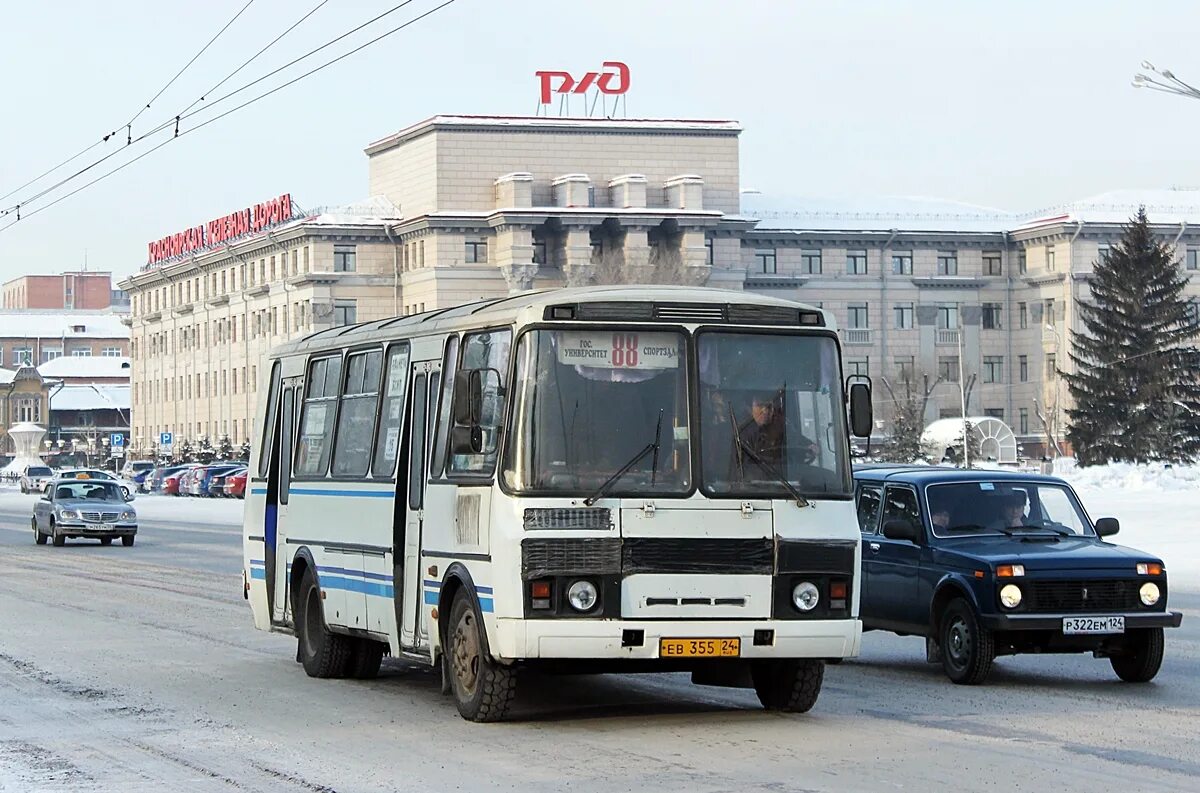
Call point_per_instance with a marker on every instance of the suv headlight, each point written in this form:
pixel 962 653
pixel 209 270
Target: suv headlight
pixel 68 514
pixel 1149 593
pixel 1010 596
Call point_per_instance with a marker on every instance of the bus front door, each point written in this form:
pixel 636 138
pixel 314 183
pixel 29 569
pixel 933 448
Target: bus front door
pixel 423 399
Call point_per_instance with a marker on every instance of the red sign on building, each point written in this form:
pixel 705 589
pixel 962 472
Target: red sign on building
pixel 604 81
pixel 223 229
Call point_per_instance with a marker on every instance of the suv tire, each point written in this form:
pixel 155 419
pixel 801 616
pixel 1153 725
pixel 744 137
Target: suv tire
pixel 968 648
pixel 323 653
pixel 791 685
pixel 1144 656
pixel 483 690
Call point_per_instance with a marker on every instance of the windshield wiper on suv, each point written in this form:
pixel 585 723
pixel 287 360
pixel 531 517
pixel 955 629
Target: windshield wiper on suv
pixel 772 470
pixel 649 447
pixel 1059 532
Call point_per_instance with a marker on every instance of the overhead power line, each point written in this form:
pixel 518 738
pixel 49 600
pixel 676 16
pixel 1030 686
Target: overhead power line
pixel 184 114
pixel 232 110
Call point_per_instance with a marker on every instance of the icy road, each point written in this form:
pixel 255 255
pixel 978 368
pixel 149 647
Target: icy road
pixel 137 669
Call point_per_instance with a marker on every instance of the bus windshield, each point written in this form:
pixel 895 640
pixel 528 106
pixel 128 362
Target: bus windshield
pixel 587 402
pixel 771 410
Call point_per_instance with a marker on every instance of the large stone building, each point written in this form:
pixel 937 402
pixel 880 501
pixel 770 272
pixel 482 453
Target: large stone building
pixel 79 291
pixel 466 207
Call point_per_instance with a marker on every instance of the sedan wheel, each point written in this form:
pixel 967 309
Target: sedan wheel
pixel 38 537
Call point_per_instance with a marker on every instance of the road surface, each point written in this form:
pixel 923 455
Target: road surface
pixel 137 669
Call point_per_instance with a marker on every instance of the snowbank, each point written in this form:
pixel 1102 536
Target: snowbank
pixel 1127 476
pixel 226 512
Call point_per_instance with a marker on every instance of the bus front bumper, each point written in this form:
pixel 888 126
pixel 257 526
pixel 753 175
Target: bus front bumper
pixel 519 639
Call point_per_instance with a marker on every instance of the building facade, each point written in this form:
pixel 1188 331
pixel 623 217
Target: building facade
pixel 34 337
pixel 952 296
pixel 77 291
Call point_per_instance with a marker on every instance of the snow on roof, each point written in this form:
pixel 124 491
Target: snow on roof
pixel 368 212
pixel 6 376
pixel 880 213
pixel 90 397
pixel 93 367
pixel 1173 206
pixel 27 324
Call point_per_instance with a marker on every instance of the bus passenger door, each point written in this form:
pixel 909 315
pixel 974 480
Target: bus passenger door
pixel 286 438
pixel 423 397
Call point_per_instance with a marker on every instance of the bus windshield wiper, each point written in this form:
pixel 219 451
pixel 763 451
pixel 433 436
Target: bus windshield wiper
pixel 647 449
pixel 770 469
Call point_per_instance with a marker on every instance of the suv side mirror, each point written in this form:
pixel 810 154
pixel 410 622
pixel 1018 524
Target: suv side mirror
pixel 861 418
pixel 901 529
pixel 1107 527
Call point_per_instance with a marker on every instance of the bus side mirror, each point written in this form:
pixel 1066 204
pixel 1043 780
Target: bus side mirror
pixel 468 397
pixel 861 418
pixel 466 439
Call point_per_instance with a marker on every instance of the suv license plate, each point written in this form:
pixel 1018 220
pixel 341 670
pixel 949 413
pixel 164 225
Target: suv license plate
pixel 1085 625
pixel 699 648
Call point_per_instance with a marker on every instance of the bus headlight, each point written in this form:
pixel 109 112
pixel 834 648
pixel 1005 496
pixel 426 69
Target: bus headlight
pixel 805 596
pixel 1010 596
pixel 1149 593
pixel 582 595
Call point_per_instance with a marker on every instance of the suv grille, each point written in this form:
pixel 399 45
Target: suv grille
pixel 1102 595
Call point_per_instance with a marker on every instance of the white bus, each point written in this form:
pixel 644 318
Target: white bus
pixel 613 478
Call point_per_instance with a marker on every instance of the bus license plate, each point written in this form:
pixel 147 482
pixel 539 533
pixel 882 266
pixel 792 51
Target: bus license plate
pixel 699 648
pixel 1084 625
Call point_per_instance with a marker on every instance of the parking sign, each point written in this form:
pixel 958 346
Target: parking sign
pixel 164 439
pixel 117 440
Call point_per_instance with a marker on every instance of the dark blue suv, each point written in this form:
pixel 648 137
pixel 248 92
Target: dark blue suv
pixel 987 563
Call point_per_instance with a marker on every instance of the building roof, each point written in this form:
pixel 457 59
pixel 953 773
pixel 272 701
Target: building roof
pixel 90 397
pixel 91 367
pixel 1173 206
pixel 371 211
pixel 557 123
pixel 45 324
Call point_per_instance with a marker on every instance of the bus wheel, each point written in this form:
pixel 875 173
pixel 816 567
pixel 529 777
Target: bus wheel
pixel 324 654
pixel 365 659
pixel 483 690
pixel 788 684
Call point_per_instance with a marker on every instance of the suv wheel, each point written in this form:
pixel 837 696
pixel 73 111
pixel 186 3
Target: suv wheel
pixel 967 647
pixel 1142 658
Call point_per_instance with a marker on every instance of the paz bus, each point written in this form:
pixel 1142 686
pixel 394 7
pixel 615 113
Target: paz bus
pixel 599 479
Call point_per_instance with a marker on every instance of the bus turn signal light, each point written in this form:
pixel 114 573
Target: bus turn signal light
pixel 539 594
pixel 837 590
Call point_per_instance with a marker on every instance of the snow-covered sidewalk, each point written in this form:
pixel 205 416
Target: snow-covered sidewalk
pixel 150 508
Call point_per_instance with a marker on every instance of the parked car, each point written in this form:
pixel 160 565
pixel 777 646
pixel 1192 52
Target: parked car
pixel 96 473
pixel 133 469
pixel 154 482
pixel 84 508
pixel 987 563
pixel 205 476
pixel 216 481
pixel 235 483
pixel 35 478
pixel 170 483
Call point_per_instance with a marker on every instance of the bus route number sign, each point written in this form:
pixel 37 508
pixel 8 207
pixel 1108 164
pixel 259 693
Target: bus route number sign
pixel 619 349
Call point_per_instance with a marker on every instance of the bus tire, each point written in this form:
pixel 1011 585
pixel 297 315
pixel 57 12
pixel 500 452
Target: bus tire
pixel 791 685
pixel 365 659
pixel 483 690
pixel 323 653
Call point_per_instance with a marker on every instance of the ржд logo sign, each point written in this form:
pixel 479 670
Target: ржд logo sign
pixel 613 80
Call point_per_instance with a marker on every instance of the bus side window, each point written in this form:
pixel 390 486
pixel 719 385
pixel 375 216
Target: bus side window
pixel 416 458
pixel 356 414
pixel 487 354
pixel 391 418
pixel 449 364
pixel 317 416
pixel 268 431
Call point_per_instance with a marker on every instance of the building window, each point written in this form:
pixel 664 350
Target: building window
pixel 1023 368
pixel 1048 312
pixel 1051 366
pixel 1023 421
pixel 475 253
pixel 22 356
pixel 947 316
pixel 856 262
pixel 709 256
pixel 1023 315
pixel 858 316
pixel 860 367
pixel 995 413
pixel 904 315
pixel 991 263
pixel 993 369
pixel 991 316
pixel 539 252
pixel 902 263
pixel 1050 257
pixel 1102 253
pixel 764 260
pixel 1193 258
pixel 1022 262
pixel 51 354
pixel 29 409
pixel 905 368
pixel 110 352
pixel 948 368
pixel 345 312
pixel 345 258
pixel 810 262
pixel 947 263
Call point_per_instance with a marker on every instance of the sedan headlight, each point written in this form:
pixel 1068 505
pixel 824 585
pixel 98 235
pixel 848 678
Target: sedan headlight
pixel 805 596
pixel 1010 596
pixel 1149 593
pixel 68 514
pixel 128 516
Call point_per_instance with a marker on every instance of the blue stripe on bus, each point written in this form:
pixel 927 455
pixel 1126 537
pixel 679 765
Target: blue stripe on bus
pixel 357 585
pixel 258 573
pixel 431 598
pixel 433 584
pixel 485 605
pixel 259 562
pixel 348 572
pixel 483 590
pixel 258 491
pixel 312 491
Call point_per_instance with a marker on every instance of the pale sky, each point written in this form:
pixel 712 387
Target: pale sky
pixel 1018 105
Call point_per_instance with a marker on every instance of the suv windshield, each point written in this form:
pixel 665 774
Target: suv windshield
pixel 37 470
pixel 586 402
pixel 771 409
pixel 1004 507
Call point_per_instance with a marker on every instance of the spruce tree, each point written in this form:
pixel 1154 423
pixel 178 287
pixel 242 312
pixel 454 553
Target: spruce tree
pixel 1136 390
